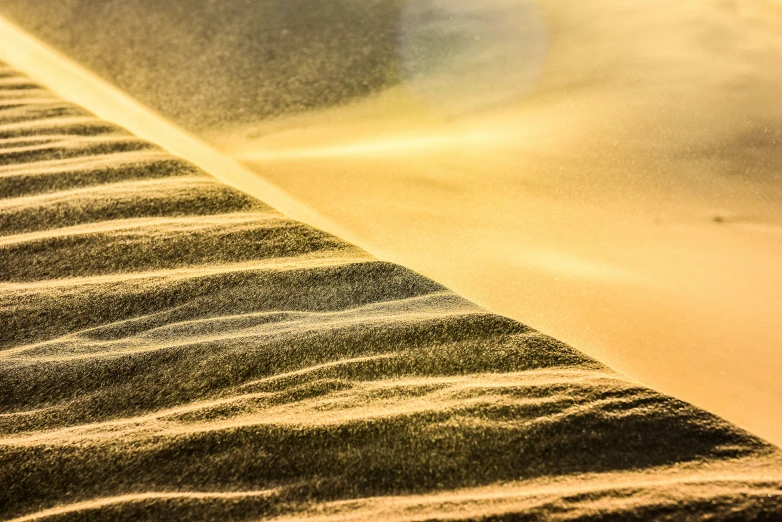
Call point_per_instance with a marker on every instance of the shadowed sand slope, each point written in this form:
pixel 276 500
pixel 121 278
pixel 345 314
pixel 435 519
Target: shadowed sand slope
pixel 172 348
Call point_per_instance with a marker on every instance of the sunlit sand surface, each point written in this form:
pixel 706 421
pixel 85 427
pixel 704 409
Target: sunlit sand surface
pixel 176 349
pixel 605 172
pixel 173 348
pixel 636 216
pixel 682 292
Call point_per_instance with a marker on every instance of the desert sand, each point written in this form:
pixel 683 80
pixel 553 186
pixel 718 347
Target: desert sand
pixel 607 173
pixel 173 348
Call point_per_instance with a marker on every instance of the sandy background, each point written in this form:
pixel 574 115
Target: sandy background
pixel 173 348
pixel 608 174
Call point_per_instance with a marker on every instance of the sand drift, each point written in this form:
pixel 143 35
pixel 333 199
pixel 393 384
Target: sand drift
pixel 154 314
pixel 606 173
pixel 174 348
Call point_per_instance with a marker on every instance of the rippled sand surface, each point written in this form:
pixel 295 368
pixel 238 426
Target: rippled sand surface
pixel 607 172
pixel 174 349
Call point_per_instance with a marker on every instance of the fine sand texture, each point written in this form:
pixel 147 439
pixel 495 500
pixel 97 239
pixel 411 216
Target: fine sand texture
pixel 174 349
pixel 606 171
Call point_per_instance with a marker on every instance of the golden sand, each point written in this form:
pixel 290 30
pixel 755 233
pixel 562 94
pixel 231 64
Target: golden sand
pixel 606 172
pixel 175 349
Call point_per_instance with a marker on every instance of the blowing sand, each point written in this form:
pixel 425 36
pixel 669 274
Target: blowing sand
pixel 175 349
pixel 629 204
pixel 607 173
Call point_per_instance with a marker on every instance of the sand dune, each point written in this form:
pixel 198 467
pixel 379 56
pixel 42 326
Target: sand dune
pixel 605 172
pixel 174 349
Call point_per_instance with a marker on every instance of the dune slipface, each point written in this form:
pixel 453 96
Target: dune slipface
pixel 174 349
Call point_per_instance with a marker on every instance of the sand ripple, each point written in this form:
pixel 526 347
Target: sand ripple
pixel 174 349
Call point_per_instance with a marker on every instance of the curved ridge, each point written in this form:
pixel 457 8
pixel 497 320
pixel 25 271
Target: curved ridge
pixel 172 348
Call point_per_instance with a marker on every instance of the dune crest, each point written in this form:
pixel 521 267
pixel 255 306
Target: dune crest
pixel 173 348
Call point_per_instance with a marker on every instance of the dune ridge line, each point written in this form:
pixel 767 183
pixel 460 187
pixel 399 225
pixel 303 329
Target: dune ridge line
pixel 174 353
